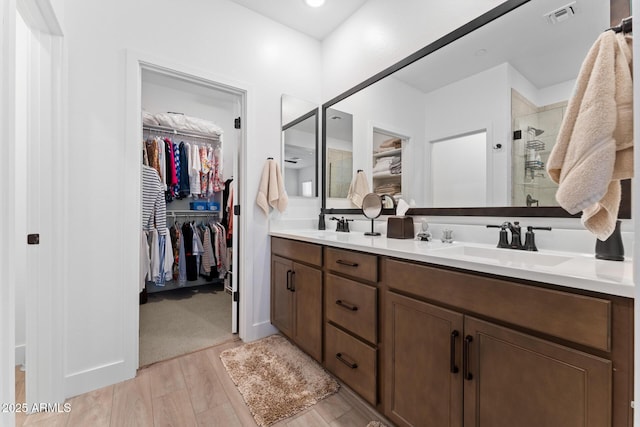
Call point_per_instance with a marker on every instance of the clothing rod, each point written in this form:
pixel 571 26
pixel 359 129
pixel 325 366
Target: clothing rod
pixel 164 129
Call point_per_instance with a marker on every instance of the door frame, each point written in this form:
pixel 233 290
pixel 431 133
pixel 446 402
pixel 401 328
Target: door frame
pixel 44 291
pixel 7 184
pixel 136 61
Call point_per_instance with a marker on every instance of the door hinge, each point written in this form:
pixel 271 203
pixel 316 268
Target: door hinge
pixel 33 239
pixel 236 209
pixel 236 296
pixel 237 123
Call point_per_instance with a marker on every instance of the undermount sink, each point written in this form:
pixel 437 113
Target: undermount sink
pixel 504 256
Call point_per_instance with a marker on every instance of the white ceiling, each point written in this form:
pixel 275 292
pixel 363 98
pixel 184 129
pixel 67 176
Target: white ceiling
pixel 545 54
pixel 315 22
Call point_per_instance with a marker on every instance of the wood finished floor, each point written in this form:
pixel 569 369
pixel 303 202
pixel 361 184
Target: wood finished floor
pixel 191 390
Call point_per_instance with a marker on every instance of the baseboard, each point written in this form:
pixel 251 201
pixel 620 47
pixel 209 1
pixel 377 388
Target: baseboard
pixel 95 378
pixel 20 354
pixel 260 330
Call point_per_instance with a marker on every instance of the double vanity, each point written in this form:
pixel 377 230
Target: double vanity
pixel 441 334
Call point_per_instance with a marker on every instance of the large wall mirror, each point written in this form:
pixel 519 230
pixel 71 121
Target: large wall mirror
pixel 299 146
pixel 465 125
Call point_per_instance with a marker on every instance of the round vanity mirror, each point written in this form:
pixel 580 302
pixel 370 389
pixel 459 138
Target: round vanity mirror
pixel 371 208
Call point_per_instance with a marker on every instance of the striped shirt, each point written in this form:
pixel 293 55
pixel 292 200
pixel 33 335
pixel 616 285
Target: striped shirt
pixel 154 208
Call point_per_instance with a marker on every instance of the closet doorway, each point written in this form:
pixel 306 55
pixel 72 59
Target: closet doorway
pixel 191 139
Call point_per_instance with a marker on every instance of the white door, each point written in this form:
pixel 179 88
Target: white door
pixel 42 222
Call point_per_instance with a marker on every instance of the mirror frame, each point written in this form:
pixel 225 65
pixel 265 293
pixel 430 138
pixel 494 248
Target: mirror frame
pixel 294 122
pixel 500 211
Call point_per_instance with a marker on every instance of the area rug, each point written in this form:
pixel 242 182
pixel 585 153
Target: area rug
pixel 276 379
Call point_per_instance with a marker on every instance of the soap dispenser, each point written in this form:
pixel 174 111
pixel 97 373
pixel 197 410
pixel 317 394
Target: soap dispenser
pixel 611 249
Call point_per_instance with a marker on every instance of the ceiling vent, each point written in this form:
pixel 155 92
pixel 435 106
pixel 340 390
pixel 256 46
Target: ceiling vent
pixel 562 14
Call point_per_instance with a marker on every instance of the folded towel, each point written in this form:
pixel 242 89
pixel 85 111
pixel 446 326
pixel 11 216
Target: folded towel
pixel 271 191
pixel 594 149
pixel 391 143
pixel 358 189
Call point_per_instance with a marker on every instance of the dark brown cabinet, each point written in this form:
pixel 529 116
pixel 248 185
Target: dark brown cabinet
pixel 423 372
pixel 463 349
pixel 296 294
pixel 514 379
pixel 436 356
pixel 351 329
pixel 447 347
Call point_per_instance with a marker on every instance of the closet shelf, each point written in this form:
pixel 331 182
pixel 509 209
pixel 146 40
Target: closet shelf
pixel 191 134
pixel 188 212
pixel 385 175
pixel 388 153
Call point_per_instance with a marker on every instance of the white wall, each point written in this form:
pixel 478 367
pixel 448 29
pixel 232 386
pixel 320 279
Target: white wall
pixel 482 101
pixel 383 32
pixel 396 107
pixel 216 36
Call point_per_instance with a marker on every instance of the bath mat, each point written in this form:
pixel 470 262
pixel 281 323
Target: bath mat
pixel 276 379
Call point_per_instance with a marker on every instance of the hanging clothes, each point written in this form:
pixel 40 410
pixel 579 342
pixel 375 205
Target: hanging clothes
pixel 154 207
pixel 191 263
pixel 194 169
pixel 184 188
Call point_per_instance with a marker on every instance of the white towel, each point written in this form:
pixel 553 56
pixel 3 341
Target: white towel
pixel 271 191
pixel 594 149
pixel 358 189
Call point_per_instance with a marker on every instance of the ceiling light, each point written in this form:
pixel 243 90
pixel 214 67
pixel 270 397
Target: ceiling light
pixel 314 3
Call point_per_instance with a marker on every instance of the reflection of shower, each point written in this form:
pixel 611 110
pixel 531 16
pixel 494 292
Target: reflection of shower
pixel 532 160
pixel 534 131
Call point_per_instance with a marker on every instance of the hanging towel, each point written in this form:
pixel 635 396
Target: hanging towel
pixel 358 189
pixel 271 191
pixel 594 149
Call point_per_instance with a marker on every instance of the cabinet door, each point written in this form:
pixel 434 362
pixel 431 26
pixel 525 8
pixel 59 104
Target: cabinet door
pixel 307 291
pixel 517 380
pixel 423 356
pixel 281 295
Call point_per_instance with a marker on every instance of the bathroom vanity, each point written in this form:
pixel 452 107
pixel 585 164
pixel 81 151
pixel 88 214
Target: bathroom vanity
pixel 461 334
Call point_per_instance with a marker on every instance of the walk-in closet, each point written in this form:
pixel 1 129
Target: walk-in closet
pixel 189 144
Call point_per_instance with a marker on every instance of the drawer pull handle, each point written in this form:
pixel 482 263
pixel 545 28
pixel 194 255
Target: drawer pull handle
pixel 289 280
pixel 465 356
pixel 293 282
pixel 347 305
pixel 352 365
pixel 452 356
pixel 347 263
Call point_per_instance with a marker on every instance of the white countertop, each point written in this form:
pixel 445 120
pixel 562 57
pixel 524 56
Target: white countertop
pixel 573 270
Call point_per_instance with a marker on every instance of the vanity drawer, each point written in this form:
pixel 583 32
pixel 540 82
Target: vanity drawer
pixel 577 318
pixel 299 251
pixel 352 361
pixel 352 305
pixel 354 264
